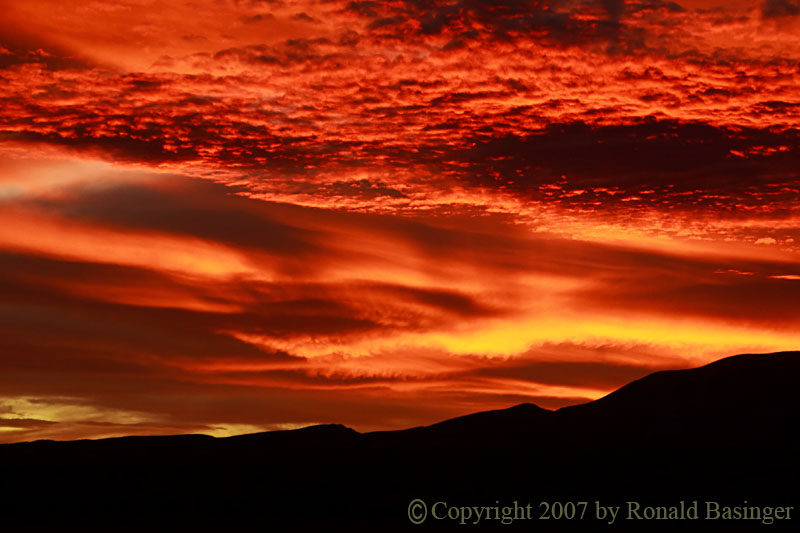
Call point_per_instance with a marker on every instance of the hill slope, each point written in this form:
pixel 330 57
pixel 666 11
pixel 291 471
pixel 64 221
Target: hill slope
pixel 723 432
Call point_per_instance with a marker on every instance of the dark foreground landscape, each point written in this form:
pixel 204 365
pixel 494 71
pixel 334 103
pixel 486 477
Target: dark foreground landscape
pixel 720 440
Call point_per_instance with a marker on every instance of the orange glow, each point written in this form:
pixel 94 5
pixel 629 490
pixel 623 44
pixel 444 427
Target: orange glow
pixel 31 232
pixel 227 216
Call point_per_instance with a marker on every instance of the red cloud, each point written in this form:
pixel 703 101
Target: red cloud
pixel 380 207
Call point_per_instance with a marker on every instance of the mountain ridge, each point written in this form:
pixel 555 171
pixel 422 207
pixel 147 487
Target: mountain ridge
pixel 679 435
pixel 791 357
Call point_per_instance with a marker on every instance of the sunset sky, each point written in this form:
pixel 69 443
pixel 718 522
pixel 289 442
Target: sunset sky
pixel 229 216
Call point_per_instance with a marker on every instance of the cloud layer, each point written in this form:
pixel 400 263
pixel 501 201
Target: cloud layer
pixel 240 215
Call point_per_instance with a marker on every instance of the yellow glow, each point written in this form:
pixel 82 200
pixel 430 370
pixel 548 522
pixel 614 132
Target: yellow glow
pixel 70 410
pixel 230 430
pixel 698 341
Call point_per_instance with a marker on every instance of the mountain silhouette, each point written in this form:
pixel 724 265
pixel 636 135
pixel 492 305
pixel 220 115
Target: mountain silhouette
pixel 723 433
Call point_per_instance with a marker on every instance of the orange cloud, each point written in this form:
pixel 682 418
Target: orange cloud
pixel 251 214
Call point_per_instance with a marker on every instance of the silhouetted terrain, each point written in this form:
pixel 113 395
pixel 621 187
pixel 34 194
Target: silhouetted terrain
pixel 725 432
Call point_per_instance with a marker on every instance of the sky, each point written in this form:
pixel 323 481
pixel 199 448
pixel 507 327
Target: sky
pixel 229 216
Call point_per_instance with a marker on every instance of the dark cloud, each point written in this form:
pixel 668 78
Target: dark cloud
pixel 193 208
pixel 780 8
pixel 24 423
pixel 305 17
pixel 119 147
pixel 735 298
pixel 90 327
pixel 91 324
pixel 559 23
pixel 665 157
pixel 21 49
pixel 580 374
pixel 255 19
pixel 448 301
